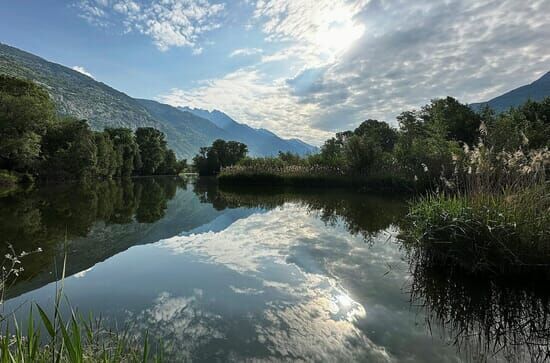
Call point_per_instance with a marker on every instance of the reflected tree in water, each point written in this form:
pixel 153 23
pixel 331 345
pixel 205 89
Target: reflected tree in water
pixel 364 214
pixel 486 317
pixel 53 216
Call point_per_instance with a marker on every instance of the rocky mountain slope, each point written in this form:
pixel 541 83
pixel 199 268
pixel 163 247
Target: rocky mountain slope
pixel 259 141
pixel 102 106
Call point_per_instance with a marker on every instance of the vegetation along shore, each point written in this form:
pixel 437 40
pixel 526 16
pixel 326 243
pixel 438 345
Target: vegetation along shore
pixel 482 197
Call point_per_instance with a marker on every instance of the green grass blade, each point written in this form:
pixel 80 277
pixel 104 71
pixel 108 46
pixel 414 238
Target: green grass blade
pixel 47 323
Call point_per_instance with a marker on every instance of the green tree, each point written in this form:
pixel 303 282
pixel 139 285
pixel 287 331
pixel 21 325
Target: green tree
pixel 378 133
pixel 69 151
pixel 221 154
pixel 170 165
pixel 107 157
pixel 152 149
pixel 25 113
pixel 458 120
pixel 127 154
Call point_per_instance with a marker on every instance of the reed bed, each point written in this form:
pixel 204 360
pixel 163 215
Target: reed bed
pixel 311 176
pixel 493 214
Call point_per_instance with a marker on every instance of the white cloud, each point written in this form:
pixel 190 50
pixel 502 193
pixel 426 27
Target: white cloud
pixel 245 52
pixel 319 29
pixel 83 71
pixel 349 60
pixel 170 23
pixel 409 53
pixel 249 97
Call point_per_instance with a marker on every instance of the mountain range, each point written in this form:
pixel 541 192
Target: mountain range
pixel 186 129
pixel 535 91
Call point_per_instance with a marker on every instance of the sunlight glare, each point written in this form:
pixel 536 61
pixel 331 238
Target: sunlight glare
pixel 338 32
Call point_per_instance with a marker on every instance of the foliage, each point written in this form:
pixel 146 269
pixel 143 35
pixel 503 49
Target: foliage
pixel 37 142
pixel 56 337
pixel 8 180
pixel 126 151
pixel 221 154
pixel 152 148
pixel 485 232
pixel 493 214
pixel 527 126
pixel 422 154
pixel 25 113
pixel 69 151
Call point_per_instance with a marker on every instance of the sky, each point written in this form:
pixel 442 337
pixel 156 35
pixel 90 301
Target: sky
pixel 300 68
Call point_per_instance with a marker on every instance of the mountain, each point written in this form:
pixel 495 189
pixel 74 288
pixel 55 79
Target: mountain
pixel 535 91
pixel 102 106
pixel 260 141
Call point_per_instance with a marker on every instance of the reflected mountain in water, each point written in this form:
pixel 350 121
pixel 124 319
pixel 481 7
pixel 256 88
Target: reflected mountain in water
pixel 92 222
pixel 246 274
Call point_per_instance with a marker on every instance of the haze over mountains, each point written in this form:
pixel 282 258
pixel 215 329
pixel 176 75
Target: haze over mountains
pixel 186 130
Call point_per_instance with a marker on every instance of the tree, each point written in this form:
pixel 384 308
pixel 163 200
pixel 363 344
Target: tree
pixel 107 157
pixel 127 154
pixel 459 121
pixel 69 150
pixel 379 133
pixel 221 154
pixel 169 165
pixel 152 149
pixel 25 113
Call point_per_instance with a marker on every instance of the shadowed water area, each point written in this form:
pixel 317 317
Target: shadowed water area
pixel 246 274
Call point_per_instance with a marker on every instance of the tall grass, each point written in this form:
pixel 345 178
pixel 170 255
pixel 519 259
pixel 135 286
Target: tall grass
pixel 56 337
pixel 491 232
pixel 310 175
pixel 493 214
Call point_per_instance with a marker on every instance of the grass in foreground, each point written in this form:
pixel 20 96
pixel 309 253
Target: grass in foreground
pixel 73 340
pixel 57 337
pixel 492 232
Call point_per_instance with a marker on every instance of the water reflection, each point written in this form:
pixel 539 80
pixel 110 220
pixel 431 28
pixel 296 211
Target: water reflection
pixel 486 317
pixel 243 274
pixel 365 214
pixel 60 218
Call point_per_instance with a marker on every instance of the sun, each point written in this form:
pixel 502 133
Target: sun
pixel 337 32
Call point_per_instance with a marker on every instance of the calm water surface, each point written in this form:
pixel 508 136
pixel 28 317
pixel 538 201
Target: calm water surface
pixel 236 275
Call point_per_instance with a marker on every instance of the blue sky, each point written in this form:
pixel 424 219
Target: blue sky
pixel 302 68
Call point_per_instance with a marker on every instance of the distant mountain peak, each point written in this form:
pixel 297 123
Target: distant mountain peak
pixel 80 96
pixel 261 142
pixel 535 91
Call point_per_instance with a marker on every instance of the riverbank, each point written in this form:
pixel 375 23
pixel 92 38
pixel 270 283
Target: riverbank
pixel 497 234
pixel 296 176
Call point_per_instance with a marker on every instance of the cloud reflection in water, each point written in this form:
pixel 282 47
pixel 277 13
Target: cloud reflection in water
pixel 306 314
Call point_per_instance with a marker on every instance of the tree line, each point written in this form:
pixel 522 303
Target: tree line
pixel 38 143
pixel 419 151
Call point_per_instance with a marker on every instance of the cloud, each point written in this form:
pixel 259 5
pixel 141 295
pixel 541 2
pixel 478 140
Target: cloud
pixel 339 62
pixel 169 23
pixel 250 97
pixel 414 51
pixel 245 52
pixel 83 71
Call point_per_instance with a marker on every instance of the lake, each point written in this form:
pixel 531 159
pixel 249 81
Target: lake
pixel 249 274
